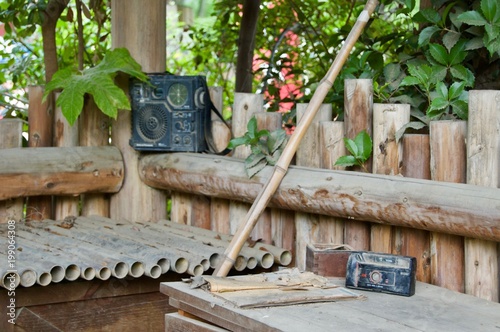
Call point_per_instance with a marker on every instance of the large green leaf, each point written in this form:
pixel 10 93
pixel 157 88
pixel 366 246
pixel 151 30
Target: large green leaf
pixel 473 18
pixel 364 144
pixel 439 54
pixel 98 82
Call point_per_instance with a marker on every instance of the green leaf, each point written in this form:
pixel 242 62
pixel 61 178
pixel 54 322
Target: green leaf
pixel 364 145
pixel 346 161
pixel 439 54
pixel 460 108
pixel 450 39
pixel 412 124
pixel 463 74
pixel 427 15
pixel 351 146
pixel 456 90
pixel 457 53
pixel 490 10
pixel 442 90
pixel 98 82
pixel 276 140
pixel 252 127
pixel 251 171
pixel 254 159
pixel 71 103
pixel 410 80
pixel 237 141
pixel 426 34
pixel 473 18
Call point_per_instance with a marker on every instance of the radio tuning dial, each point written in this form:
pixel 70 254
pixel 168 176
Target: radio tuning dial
pixel 177 94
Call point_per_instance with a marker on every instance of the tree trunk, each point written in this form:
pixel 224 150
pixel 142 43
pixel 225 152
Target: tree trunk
pixel 246 44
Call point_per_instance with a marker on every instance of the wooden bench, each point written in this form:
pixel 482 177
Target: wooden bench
pixel 431 309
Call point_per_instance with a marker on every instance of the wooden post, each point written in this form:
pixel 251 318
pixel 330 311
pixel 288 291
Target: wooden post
pixel 331 148
pixel 448 163
pixel 11 137
pixel 65 135
pixel 309 155
pixel 219 208
pixel 387 158
pixel 94 131
pixel 263 228
pixel 138 27
pixel 40 118
pixel 483 168
pixel 246 105
pixel 411 241
pixel 358 110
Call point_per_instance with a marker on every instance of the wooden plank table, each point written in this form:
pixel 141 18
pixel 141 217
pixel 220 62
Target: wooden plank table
pixel 431 309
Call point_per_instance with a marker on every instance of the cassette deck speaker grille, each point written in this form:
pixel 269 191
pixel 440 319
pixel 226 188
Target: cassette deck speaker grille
pixel 152 122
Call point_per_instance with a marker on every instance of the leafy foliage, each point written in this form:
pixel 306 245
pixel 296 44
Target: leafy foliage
pixel 360 150
pixel 96 81
pixel 266 147
pixel 21 49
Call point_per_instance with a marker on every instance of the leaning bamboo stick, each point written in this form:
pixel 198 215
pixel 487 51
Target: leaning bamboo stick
pixel 281 167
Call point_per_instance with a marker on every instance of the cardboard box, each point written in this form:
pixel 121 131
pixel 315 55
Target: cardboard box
pixel 329 260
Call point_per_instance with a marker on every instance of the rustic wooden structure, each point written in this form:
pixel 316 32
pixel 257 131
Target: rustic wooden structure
pixel 444 310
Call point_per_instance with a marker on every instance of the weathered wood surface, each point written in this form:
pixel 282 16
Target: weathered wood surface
pixel 11 132
pixel 40 123
pixel 136 201
pixel 358 116
pixel 430 309
pixel 483 169
pixel 459 209
pixel 59 171
pixel 387 159
pixel 448 163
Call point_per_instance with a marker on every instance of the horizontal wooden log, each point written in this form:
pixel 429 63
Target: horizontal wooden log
pixel 60 171
pixel 450 208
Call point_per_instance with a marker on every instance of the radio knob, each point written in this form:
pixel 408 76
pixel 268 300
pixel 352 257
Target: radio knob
pixel 375 277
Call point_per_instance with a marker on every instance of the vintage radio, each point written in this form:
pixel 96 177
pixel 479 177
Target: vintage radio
pixel 381 272
pixel 170 113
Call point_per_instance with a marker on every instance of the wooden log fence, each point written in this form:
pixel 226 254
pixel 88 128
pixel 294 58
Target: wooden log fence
pixel 461 209
pixel 446 224
pixel 60 171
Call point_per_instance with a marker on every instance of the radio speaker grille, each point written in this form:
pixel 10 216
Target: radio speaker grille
pixel 152 122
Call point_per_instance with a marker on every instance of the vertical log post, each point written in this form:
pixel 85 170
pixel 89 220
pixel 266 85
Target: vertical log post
pixel 387 158
pixel 219 208
pixel 11 137
pixel 263 228
pixel 94 131
pixel 332 147
pixel 137 27
pixel 65 135
pixel 448 163
pixel 483 169
pixel 309 155
pixel 40 118
pixel 410 241
pixel 245 106
pixel 358 110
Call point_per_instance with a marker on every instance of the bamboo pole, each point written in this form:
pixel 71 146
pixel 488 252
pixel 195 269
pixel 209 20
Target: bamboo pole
pixel 281 167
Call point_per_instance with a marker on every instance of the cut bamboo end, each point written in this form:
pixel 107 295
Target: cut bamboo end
pixel 28 278
pixel 10 280
pixel 57 273
pixel 44 279
pixel 72 272
pixel 103 273
pixel 88 273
